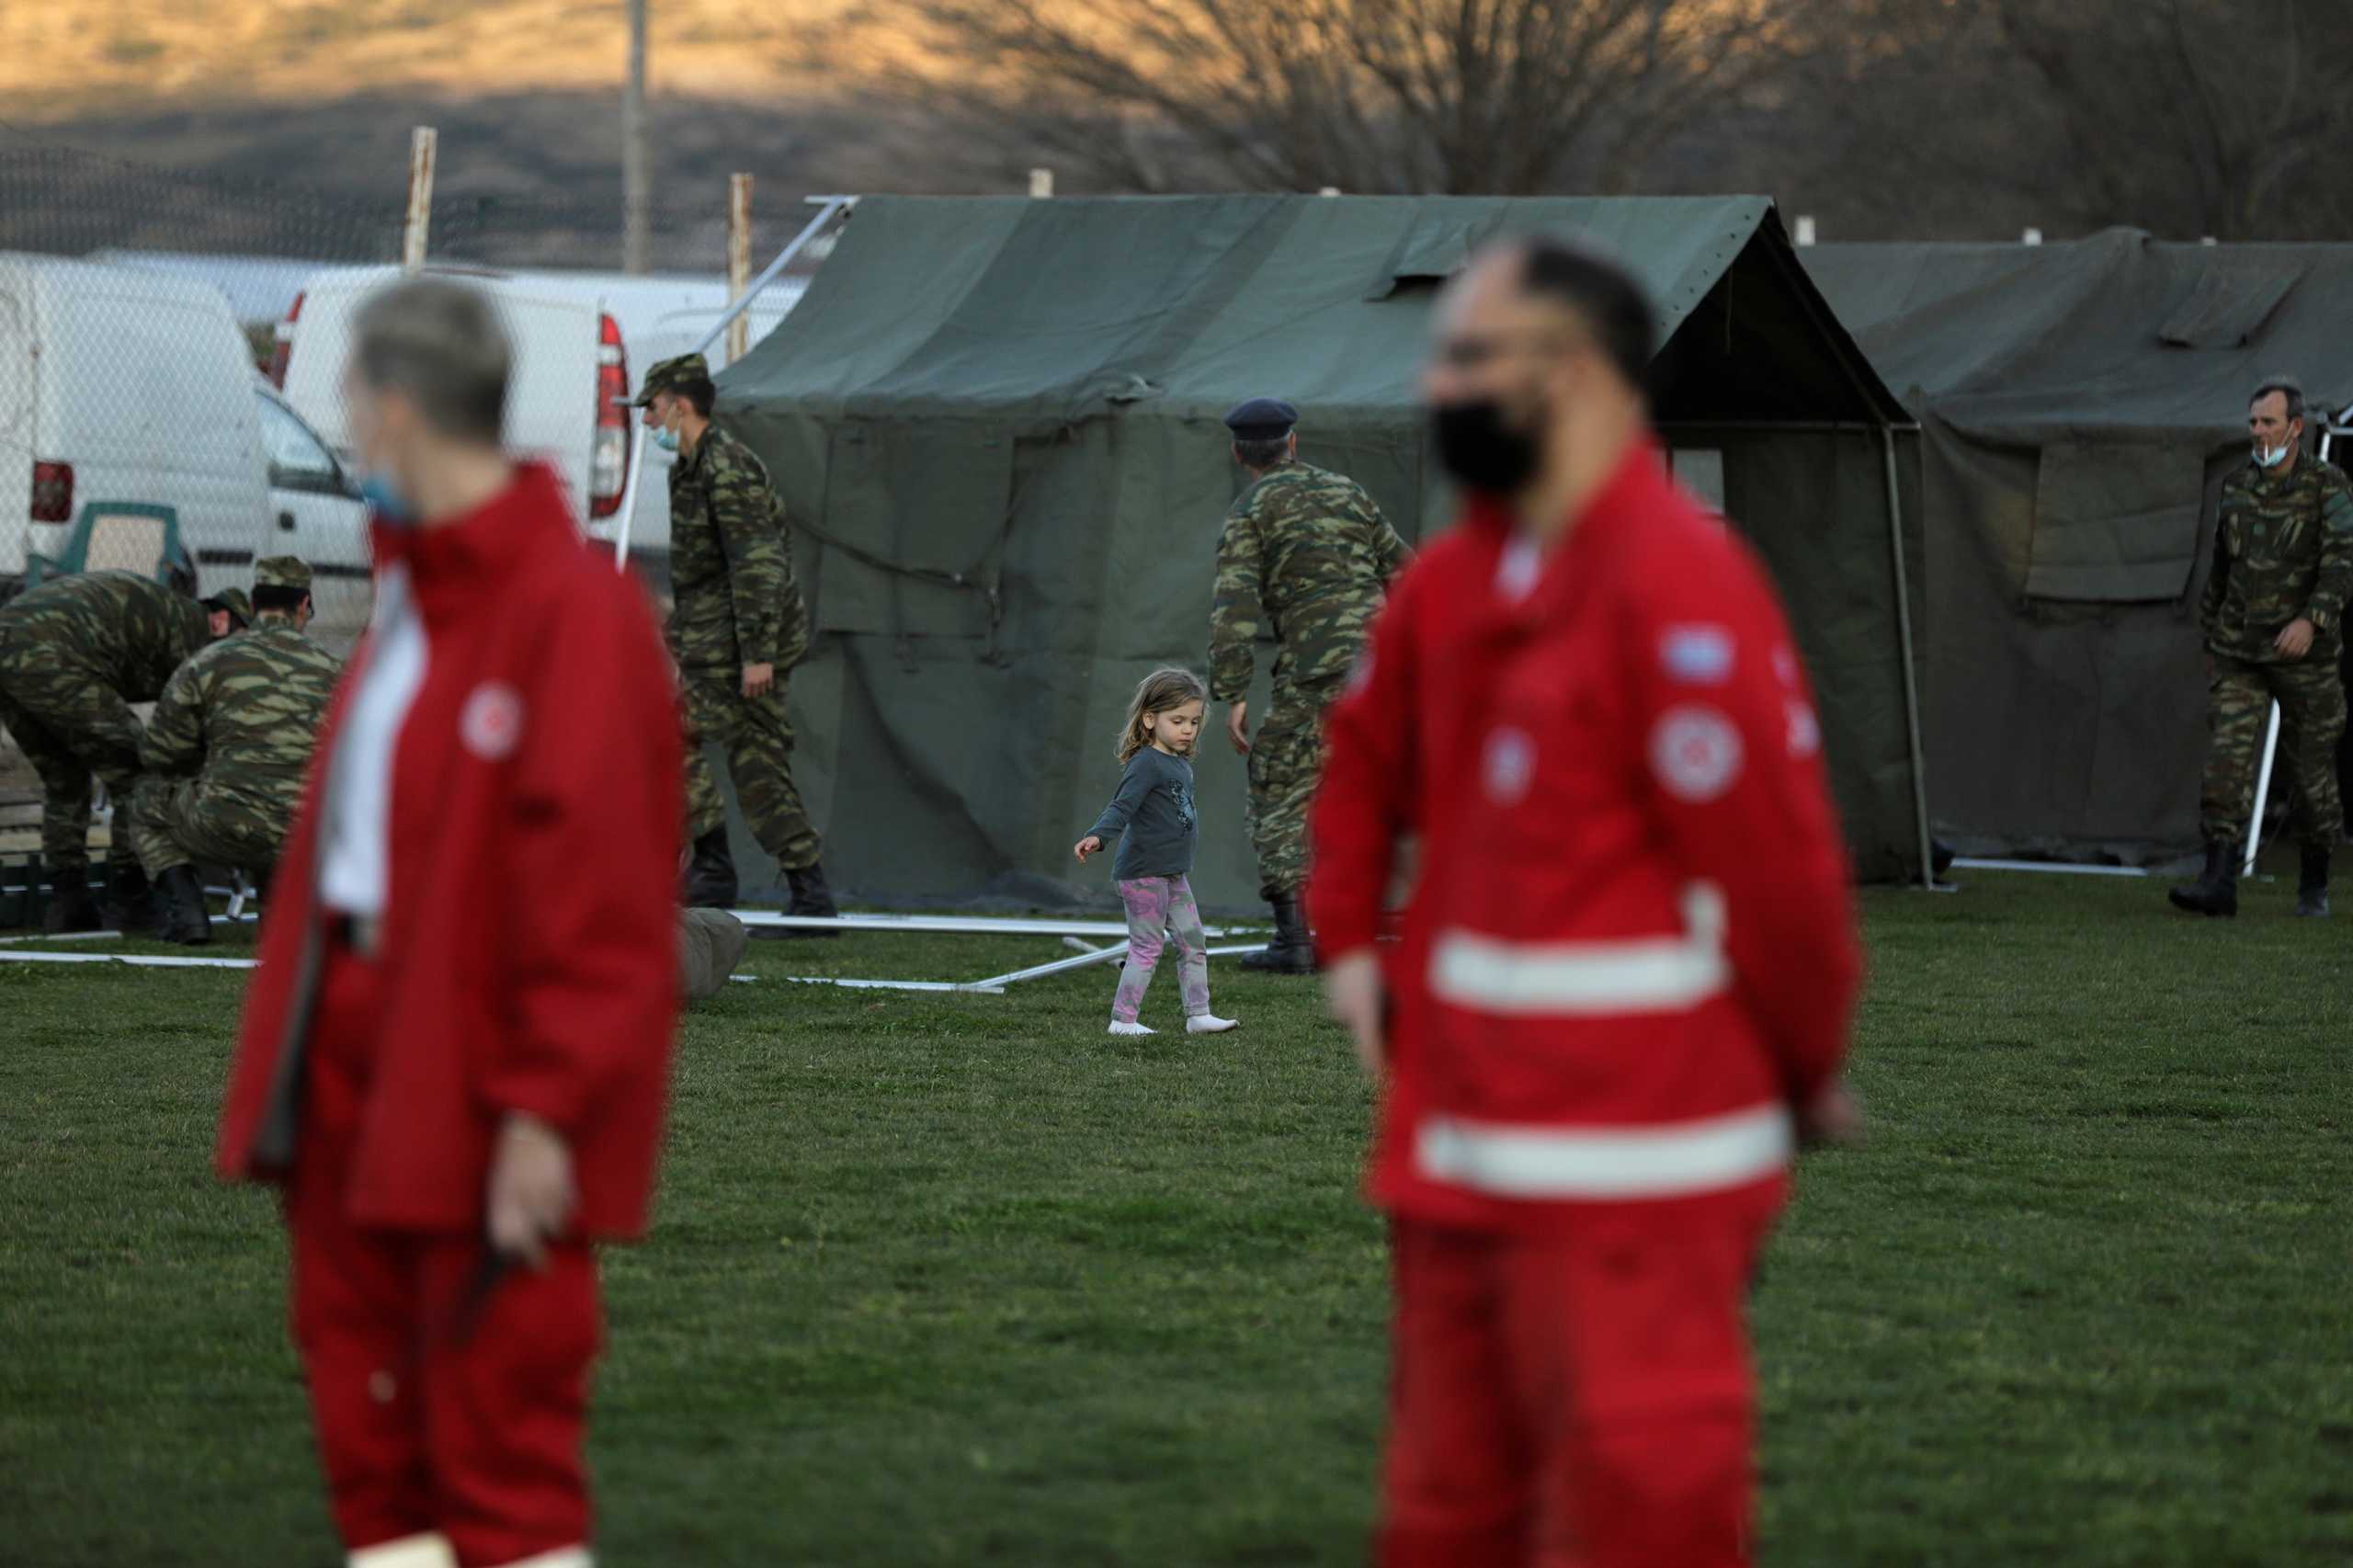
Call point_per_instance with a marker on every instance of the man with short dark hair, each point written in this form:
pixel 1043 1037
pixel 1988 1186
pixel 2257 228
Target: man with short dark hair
pixel 2273 614
pixel 1621 993
pixel 225 751
pixel 75 652
pixel 737 628
pixel 455 1052
pixel 1305 558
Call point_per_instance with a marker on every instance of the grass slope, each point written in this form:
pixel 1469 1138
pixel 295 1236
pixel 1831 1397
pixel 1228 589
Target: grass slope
pixel 963 1280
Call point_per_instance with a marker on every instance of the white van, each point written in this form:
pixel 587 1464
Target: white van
pixel 582 341
pixel 121 385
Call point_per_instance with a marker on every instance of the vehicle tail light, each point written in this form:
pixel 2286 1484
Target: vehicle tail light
pixel 608 463
pixel 52 492
pixel 284 348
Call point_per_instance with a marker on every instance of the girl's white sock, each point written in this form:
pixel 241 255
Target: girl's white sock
pixel 1120 1026
pixel 1209 1023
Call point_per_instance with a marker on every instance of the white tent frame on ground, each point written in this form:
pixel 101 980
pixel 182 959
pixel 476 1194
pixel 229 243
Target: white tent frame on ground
pixel 1073 933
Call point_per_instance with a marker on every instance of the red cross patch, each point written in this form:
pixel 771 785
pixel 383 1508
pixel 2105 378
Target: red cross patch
pixel 491 724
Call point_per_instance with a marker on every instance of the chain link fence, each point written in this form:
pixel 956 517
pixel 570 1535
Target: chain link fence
pixel 173 341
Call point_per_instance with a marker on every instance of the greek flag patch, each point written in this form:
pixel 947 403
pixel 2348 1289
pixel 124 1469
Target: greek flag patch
pixel 1697 655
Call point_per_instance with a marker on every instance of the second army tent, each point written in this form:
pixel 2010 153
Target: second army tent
pixel 2082 404
pixel 997 426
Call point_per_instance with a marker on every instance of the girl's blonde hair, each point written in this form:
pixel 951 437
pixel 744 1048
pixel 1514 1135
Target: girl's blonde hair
pixel 1157 693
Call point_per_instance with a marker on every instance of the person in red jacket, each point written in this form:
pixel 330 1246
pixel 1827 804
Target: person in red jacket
pixel 455 1054
pixel 1621 989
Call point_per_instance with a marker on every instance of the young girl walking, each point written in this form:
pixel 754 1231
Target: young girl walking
pixel 1154 808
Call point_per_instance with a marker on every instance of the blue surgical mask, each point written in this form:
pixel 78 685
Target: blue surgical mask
pixel 384 498
pixel 2270 456
pixel 665 438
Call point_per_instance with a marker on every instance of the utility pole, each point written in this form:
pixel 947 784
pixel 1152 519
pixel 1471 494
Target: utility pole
pixel 636 215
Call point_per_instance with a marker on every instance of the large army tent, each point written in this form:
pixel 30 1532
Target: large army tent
pixel 997 426
pixel 2081 404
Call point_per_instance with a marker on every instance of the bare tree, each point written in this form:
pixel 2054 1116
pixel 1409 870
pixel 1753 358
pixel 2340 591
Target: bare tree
pixel 1509 96
pixel 2183 117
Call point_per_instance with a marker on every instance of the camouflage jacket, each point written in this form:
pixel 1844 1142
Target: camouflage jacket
pixel 1306 556
pixel 126 631
pixel 2283 549
pixel 243 715
pixel 736 599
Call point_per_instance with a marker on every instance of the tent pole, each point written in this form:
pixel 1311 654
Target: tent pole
pixel 835 206
pixel 1911 683
pixel 2262 791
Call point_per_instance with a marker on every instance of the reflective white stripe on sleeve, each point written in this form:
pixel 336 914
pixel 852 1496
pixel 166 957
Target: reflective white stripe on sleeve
pixel 1651 974
pixel 1673 1159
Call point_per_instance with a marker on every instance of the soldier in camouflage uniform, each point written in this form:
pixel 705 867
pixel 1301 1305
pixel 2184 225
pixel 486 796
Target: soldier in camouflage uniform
pixel 738 625
pixel 1307 557
pixel 75 652
pixel 225 752
pixel 2273 615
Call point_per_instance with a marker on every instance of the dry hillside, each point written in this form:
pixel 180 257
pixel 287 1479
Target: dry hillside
pixel 74 60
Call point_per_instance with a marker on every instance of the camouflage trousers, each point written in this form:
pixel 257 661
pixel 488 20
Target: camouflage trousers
pixel 178 822
pixel 1286 764
pixel 70 725
pixel 758 738
pixel 2311 696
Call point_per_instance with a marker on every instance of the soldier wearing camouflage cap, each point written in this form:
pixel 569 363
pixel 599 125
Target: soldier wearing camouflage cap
pixel 1306 558
pixel 737 627
pixel 2274 617
pixel 75 652
pixel 225 752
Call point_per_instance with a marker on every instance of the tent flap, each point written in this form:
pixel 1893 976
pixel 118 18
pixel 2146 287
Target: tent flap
pixel 2115 523
pixel 2229 306
pixel 927 501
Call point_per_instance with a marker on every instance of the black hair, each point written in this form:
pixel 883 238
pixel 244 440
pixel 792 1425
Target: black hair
pixel 2287 387
pixel 1600 291
pixel 701 393
pixel 277 596
pixel 1261 456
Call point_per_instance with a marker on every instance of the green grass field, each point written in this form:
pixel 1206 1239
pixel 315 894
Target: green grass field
pixel 963 1280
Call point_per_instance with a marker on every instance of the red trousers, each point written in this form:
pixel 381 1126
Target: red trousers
pixel 440 1406
pixel 1570 1401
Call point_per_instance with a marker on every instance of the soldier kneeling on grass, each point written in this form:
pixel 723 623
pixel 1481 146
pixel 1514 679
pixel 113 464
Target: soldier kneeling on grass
pixel 223 756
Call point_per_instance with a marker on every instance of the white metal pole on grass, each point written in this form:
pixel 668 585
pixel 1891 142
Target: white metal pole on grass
pixel 835 206
pixel 2262 791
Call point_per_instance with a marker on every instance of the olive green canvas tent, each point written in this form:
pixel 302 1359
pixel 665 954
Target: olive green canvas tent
pixel 997 426
pixel 2081 404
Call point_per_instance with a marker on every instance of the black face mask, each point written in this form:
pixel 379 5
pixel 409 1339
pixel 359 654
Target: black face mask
pixel 1481 450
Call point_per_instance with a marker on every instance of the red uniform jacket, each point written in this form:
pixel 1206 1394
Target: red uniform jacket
pixel 528 942
pixel 1630 948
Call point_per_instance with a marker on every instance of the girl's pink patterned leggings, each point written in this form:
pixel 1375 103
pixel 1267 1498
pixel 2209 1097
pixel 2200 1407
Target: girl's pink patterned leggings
pixel 1158 905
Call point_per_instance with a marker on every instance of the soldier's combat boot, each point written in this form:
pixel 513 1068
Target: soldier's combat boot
pixel 181 916
pixel 71 907
pixel 711 874
pixel 2216 892
pixel 811 898
pixel 2312 886
pixel 1293 950
pixel 131 903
